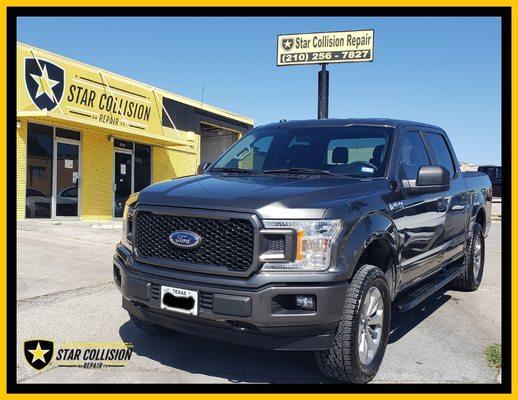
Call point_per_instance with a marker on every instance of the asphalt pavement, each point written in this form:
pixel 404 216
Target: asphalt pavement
pixel 65 294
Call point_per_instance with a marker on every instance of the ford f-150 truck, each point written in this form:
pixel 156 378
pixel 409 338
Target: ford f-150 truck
pixel 305 235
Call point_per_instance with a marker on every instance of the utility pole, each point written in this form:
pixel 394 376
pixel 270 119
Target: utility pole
pixel 323 92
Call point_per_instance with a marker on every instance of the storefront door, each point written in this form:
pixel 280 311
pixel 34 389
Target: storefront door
pixel 53 172
pixel 123 182
pixel 66 180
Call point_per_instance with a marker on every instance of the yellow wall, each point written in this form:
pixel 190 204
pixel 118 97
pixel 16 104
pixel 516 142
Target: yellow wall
pixel 21 166
pixel 97 176
pixel 173 163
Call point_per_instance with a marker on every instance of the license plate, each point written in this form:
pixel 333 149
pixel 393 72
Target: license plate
pixel 179 300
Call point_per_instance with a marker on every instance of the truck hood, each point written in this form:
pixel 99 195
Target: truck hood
pixel 272 196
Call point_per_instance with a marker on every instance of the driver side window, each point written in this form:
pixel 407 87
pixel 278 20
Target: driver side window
pixel 413 155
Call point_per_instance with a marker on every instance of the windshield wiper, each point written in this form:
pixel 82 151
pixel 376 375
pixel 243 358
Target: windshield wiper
pixel 230 169
pixel 294 170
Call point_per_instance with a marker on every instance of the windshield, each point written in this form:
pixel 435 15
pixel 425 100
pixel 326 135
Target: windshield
pixel 360 151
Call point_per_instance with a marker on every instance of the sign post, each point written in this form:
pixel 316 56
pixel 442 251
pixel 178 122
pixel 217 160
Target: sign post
pixel 323 92
pixel 325 48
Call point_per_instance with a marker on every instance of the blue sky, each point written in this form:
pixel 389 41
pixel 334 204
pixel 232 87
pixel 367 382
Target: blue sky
pixel 444 71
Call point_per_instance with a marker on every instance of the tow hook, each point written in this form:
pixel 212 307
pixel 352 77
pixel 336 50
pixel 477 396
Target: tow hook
pixel 243 326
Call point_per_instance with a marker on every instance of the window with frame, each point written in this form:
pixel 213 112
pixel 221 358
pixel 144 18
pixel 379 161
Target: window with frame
pixel 413 155
pixel 441 151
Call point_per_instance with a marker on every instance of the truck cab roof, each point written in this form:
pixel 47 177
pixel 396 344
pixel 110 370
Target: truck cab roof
pixel 337 122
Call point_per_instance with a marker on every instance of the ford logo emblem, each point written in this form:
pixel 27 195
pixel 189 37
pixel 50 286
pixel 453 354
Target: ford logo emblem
pixel 185 239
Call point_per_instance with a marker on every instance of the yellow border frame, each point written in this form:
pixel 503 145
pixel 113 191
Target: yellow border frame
pixel 272 3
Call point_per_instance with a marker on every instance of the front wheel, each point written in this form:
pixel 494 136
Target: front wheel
pixel 359 344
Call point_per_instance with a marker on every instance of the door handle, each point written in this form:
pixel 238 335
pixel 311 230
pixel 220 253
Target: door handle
pixel 459 202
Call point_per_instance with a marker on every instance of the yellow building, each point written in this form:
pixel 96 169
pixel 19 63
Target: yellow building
pixel 87 138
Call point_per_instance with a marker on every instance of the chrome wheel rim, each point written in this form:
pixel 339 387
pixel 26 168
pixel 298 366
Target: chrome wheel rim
pixel 477 256
pixel 370 326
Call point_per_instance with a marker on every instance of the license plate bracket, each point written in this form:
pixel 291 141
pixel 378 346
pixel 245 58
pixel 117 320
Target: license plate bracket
pixel 179 300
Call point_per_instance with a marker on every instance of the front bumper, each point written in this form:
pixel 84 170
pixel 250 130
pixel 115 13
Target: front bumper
pixel 238 310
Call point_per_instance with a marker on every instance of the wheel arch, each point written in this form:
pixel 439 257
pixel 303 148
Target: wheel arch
pixel 479 216
pixel 373 239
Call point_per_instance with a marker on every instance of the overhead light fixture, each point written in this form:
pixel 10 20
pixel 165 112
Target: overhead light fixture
pixel 18 124
pixel 110 138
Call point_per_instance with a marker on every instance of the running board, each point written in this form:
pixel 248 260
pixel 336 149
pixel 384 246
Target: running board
pixel 419 294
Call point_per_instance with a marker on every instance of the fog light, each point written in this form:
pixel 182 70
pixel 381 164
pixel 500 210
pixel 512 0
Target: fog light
pixel 306 302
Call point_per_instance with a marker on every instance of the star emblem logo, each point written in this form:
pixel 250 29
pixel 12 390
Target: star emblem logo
pixel 45 83
pixel 287 44
pixel 38 353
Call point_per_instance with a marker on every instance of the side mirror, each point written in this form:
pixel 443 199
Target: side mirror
pixel 431 179
pixel 204 165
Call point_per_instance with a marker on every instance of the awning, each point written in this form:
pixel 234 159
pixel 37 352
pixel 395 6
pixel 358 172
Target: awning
pixel 48 117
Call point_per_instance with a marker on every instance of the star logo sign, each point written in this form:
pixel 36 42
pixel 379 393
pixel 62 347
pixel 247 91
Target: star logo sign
pixel 45 83
pixel 38 353
pixel 287 44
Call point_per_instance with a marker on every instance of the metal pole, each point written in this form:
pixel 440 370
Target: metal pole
pixel 323 92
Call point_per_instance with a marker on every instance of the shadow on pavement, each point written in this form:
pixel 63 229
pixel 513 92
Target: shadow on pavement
pixel 404 322
pixel 223 360
pixel 237 363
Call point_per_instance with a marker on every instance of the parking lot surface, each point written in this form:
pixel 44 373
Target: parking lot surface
pixel 65 294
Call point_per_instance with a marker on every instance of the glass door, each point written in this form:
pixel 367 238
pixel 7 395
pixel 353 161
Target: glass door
pixel 66 178
pixel 40 151
pixel 123 179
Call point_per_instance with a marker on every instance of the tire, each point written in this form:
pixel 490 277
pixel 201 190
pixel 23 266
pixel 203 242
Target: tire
pixel 342 361
pixel 470 279
pixel 147 327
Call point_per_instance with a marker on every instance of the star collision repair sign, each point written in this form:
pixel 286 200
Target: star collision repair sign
pixel 325 47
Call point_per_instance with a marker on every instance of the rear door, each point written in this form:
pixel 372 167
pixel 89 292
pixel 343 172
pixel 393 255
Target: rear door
pixel 455 199
pixel 424 214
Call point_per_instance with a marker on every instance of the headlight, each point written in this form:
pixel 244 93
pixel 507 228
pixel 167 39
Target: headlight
pixel 127 220
pixel 314 242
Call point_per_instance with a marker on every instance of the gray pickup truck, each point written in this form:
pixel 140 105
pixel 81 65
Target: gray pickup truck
pixel 306 235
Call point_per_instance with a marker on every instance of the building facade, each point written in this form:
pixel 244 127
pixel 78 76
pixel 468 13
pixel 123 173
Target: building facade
pixel 88 138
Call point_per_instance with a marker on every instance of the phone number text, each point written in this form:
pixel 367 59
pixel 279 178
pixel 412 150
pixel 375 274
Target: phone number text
pixel 326 56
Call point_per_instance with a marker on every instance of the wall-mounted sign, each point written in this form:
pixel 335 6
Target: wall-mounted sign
pixel 325 47
pixel 47 82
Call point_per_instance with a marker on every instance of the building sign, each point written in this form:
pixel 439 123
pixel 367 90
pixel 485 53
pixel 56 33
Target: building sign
pixel 325 47
pixel 62 87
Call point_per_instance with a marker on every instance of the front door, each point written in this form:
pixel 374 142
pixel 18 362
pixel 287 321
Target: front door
pixel 66 178
pixel 424 216
pixel 122 179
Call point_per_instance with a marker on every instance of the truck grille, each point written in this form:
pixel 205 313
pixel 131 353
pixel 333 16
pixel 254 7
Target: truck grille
pixel 225 243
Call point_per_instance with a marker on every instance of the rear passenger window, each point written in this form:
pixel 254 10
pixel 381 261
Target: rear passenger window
pixel 413 155
pixel 441 152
